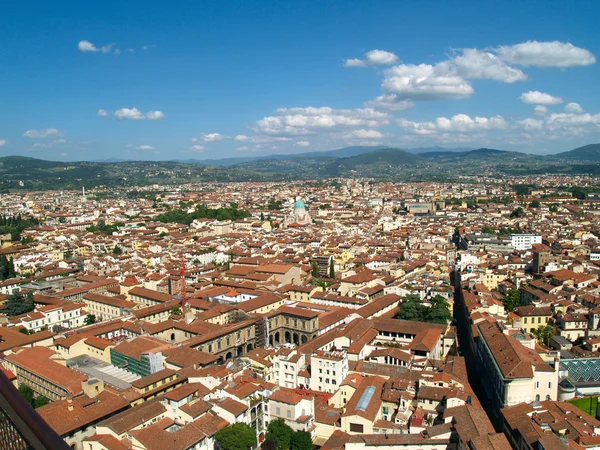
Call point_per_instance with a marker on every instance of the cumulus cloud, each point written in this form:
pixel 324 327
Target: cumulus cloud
pixel 425 82
pixel 155 115
pixel 134 114
pixel 129 113
pixel 144 147
pixel 540 110
pixel 373 57
pixel 42 134
pixel 390 102
pixel 241 137
pixel 87 46
pixel 540 98
pixel 530 124
pixel 303 143
pixel 476 64
pixel 450 79
pixel 306 121
pixel 197 148
pixel 103 113
pixel 573 108
pixel 243 148
pixel 2 142
pixel 546 54
pixel 367 134
pixel 576 120
pixel 457 123
pixel 212 137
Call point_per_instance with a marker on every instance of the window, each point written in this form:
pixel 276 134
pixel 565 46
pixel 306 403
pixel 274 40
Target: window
pixel 278 411
pixel 537 384
pixel 289 414
pixel 549 384
pixel 356 428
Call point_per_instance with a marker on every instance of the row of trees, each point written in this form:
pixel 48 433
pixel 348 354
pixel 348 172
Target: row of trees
pixel 181 216
pixel 411 308
pixel 280 436
pixel 14 225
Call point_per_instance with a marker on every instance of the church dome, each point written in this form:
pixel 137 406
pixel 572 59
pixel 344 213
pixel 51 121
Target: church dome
pixel 299 204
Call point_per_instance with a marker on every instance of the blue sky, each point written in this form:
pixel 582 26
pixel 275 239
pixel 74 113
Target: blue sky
pixel 178 80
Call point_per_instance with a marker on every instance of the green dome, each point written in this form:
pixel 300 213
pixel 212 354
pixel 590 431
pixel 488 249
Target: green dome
pixel 299 204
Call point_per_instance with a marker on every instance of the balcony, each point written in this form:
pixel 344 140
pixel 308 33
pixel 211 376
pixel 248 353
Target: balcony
pixel 21 427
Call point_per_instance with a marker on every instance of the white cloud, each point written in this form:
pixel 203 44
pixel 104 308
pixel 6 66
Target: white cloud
pixel 574 108
pixel 425 82
pixel 566 119
pixel 546 54
pixel 133 114
pixel 243 148
pixel 144 147
pixel 381 57
pixel 212 137
pixel 311 120
pixel 477 64
pixel 129 113
pixel 540 110
pixel 2 142
pixel 87 46
pixel 390 102
pixel 373 57
pixel 457 123
pixel 303 143
pixel 47 133
pixel 102 113
pixel 354 62
pixel 155 115
pixel 530 124
pixel 241 137
pixel 422 128
pixel 540 98
pixel 197 148
pixel 367 134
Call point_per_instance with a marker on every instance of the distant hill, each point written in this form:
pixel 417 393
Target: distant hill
pixel 390 156
pixel 589 152
pixel 338 153
pixel 421 150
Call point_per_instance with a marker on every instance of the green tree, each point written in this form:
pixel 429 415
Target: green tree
pixel 439 311
pixel 17 303
pixel 315 269
pixel 176 310
pixel 41 401
pixel 27 393
pixel 280 432
pixel 411 308
pixel 517 213
pixel 117 250
pixel 543 333
pixel 512 299
pixel 553 208
pixel 535 204
pixel 90 319
pixel 301 440
pixel 331 269
pixel 487 230
pixel 238 436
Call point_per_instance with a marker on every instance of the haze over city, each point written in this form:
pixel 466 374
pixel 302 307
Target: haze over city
pixel 202 80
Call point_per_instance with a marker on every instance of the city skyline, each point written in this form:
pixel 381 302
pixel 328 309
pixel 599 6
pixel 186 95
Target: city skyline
pixel 149 81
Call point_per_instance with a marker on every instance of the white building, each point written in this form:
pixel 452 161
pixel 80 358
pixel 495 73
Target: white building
pixel 328 370
pixel 525 241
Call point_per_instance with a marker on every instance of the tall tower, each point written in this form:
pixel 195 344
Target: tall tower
pixel 185 307
pixel 83 199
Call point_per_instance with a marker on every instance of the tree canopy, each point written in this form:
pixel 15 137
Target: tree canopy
pixel 238 436
pixel 181 216
pixel 286 438
pixel 17 303
pixel 512 299
pixel 411 308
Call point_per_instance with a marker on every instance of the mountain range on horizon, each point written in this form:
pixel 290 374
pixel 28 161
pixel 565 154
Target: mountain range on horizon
pixel 590 152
